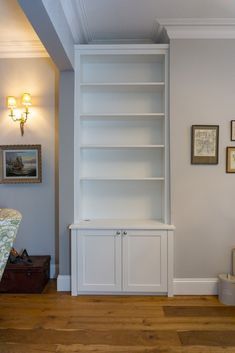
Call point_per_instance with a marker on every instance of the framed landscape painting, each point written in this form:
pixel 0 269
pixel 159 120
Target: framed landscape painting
pixel 20 164
pixel 205 144
pixel 230 159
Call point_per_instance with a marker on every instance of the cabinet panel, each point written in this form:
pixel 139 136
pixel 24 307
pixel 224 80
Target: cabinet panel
pixel 99 261
pixel 114 261
pixel 145 261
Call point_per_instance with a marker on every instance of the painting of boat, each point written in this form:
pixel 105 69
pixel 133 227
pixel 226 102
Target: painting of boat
pixel 21 163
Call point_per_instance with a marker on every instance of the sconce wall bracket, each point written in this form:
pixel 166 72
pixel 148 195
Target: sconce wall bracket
pixel 26 101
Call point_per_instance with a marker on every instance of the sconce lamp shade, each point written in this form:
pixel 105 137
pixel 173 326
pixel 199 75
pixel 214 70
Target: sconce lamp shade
pixel 26 99
pixel 11 102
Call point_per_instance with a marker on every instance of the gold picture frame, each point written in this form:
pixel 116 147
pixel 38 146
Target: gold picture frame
pixel 230 159
pixel 20 164
pixel 232 130
pixel 205 144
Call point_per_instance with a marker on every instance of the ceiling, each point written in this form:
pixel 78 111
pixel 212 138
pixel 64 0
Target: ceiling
pixel 16 33
pixel 13 23
pixel 114 21
pixel 136 20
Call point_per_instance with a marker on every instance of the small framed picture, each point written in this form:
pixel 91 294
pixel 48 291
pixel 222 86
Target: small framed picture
pixel 20 164
pixel 205 144
pixel 230 160
pixel 232 130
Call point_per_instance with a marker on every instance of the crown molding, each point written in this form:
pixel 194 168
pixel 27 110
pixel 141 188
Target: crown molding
pixel 198 28
pixel 76 16
pixel 22 49
pixel 122 41
pixel 159 34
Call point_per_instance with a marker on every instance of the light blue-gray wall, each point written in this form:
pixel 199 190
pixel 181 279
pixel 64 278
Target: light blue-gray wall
pixel 36 202
pixel 66 162
pixel 202 91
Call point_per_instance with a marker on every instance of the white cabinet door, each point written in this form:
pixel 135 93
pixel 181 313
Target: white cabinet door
pixel 99 261
pixel 144 261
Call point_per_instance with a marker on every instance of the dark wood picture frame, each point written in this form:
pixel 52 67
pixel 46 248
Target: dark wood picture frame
pixel 230 159
pixel 20 164
pixel 232 130
pixel 205 144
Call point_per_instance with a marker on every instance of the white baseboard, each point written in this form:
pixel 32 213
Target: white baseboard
pixel 195 286
pixel 53 270
pixel 63 283
pixel 181 286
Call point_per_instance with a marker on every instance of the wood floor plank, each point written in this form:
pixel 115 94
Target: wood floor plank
pixel 25 348
pixel 78 348
pixel 192 311
pixel 73 322
pixel 109 337
pixel 137 349
pixel 208 338
pixel 147 300
pixel 90 312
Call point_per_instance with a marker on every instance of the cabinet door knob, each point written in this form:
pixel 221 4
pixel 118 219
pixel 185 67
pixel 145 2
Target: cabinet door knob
pixel 124 233
pixel 118 232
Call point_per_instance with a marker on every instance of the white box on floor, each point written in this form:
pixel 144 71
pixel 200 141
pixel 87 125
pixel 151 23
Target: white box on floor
pixel 227 289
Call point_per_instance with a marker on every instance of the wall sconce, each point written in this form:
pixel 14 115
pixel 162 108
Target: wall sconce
pixel 21 117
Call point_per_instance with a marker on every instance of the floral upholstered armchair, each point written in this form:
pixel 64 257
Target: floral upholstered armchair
pixel 9 223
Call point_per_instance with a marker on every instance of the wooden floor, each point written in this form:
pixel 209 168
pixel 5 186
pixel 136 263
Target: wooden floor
pixel 57 322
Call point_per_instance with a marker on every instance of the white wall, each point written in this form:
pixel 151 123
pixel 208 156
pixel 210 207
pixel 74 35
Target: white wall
pixel 35 201
pixel 202 90
pixel 58 19
pixel 49 22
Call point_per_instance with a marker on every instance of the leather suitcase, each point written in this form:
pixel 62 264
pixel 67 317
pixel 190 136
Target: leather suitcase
pixel 26 278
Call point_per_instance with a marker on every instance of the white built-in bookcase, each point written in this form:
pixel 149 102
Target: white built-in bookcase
pixel 121 134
